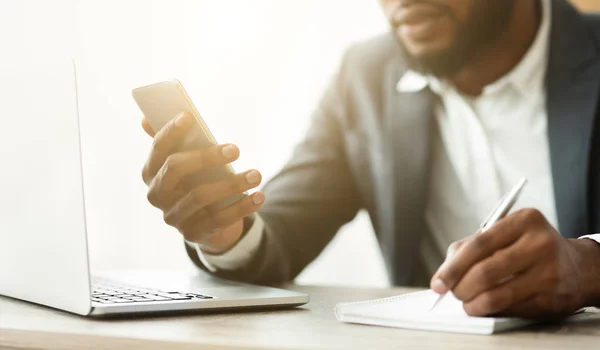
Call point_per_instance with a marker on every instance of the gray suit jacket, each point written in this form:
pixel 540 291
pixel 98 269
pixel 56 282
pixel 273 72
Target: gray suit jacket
pixel 368 147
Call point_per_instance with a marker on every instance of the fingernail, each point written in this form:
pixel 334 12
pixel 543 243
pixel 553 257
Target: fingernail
pixel 258 198
pixel 439 286
pixel 181 120
pixel 253 177
pixel 229 151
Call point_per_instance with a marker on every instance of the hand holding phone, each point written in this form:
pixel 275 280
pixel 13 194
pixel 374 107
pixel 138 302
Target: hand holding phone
pixel 189 175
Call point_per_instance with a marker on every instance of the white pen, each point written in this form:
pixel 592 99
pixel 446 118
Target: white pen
pixel 506 204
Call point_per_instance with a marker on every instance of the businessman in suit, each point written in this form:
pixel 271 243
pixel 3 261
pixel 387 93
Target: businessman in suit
pixel 426 128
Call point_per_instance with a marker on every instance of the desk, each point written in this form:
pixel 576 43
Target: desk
pixel 313 326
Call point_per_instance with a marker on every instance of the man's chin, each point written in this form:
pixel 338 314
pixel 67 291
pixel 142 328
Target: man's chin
pixel 437 64
pixel 431 59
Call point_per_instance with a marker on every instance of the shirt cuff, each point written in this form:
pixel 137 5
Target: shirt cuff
pixel 595 237
pixel 239 255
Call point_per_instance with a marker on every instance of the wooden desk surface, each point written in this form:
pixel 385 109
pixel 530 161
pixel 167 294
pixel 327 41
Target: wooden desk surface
pixel 24 325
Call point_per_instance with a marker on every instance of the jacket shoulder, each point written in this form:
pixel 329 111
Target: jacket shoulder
pixel 372 55
pixel 369 71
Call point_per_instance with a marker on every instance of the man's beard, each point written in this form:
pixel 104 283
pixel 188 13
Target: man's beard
pixel 488 20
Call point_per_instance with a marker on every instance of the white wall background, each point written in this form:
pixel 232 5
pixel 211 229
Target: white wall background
pixel 255 69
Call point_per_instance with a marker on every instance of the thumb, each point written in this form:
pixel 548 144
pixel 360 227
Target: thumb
pixel 147 127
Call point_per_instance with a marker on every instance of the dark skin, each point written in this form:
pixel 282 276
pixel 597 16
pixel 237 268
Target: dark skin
pixel 492 61
pixel 502 55
pixel 186 206
pixel 521 266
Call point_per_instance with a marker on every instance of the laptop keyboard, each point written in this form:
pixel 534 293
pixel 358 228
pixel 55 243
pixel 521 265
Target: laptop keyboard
pixel 107 292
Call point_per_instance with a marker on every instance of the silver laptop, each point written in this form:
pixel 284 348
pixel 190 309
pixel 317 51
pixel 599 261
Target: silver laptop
pixel 43 241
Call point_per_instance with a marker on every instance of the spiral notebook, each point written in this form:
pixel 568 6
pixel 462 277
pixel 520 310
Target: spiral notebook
pixel 412 311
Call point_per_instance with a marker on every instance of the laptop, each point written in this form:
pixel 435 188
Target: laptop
pixel 43 239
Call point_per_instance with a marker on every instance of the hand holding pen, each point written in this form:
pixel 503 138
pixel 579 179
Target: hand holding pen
pixel 503 208
pixel 521 266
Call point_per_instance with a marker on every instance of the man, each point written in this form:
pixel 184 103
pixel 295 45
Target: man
pixel 426 128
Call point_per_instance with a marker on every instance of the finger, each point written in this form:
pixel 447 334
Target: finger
pixel 496 269
pixel 511 293
pixel 201 227
pixel 475 249
pixel 169 184
pixel 204 195
pixel 454 248
pixel 147 128
pixel 164 144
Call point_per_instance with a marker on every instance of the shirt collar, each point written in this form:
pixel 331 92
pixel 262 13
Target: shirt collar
pixel 412 81
pixel 527 75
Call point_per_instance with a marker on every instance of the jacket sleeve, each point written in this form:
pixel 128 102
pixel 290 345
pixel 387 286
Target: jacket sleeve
pixel 308 201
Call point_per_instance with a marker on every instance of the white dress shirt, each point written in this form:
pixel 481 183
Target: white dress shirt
pixel 484 146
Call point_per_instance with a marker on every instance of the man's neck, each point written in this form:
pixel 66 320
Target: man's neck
pixel 501 56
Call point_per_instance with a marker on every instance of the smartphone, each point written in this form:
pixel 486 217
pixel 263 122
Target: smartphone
pixel 163 101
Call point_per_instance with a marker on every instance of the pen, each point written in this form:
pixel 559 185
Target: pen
pixel 506 203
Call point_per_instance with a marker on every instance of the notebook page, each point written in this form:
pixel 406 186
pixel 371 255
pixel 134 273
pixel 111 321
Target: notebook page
pixel 412 311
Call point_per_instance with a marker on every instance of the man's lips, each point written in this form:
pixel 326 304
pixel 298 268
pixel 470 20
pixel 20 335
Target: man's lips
pixel 415 14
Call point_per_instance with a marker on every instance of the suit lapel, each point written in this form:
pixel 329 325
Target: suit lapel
pixel 407 128
pixel 572 94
